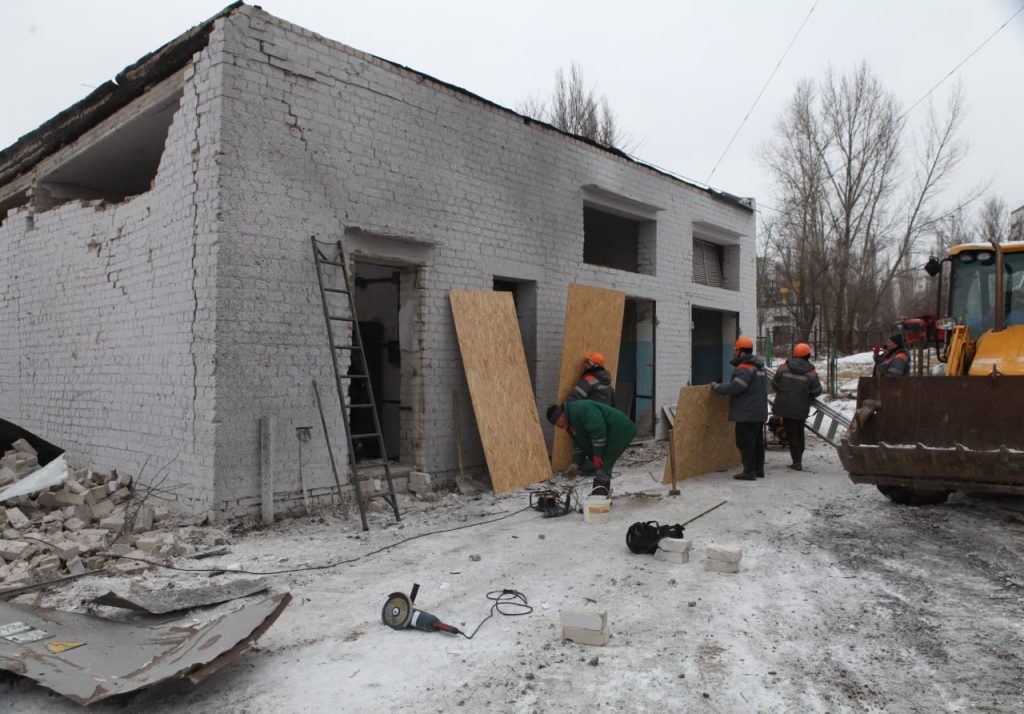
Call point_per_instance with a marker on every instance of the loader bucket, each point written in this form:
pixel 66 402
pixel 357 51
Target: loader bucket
pixel 937 434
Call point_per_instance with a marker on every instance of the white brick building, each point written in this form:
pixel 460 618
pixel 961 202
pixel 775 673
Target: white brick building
pixel 158 295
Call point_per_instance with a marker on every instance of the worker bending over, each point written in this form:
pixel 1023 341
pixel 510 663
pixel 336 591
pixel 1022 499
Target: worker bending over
pixel 599 432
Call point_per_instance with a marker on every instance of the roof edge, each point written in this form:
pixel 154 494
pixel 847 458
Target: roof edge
pixel 129 84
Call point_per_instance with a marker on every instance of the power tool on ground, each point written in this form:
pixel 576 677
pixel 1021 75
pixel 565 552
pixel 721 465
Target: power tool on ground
pixel 550 503
pixel 399 613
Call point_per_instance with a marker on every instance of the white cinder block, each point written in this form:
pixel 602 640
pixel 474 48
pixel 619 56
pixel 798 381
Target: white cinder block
pixel 584 636
pixel 672 556
pixel 725 553
pixel 721 566
pixel 584 618
pixel 675 545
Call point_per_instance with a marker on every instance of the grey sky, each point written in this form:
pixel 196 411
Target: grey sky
pixel 679 75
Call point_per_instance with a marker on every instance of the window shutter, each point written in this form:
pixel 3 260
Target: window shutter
pixel 707 264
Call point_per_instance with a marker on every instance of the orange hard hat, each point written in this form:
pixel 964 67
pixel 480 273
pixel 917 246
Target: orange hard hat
pixel 744 343
pixel 802 350
pixel 597 358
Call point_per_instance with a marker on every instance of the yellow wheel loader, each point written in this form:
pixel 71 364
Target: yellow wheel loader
pixel 920 438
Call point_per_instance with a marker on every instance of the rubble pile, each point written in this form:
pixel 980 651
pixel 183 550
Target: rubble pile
pixel 77 526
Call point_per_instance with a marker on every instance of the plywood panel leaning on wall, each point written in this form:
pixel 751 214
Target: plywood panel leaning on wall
pixel 500 389
pixel 704 440
pixel 593 323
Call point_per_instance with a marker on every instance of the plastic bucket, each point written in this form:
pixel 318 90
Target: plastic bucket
pixel 597 509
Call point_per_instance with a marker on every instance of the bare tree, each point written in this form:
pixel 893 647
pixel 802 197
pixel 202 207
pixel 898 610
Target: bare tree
pixel 993 221
pixel 857 195
pixel 578 109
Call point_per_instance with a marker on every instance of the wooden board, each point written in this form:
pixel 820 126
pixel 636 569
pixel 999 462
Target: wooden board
pixel 500 389
pixel 704 440
pixel 593 323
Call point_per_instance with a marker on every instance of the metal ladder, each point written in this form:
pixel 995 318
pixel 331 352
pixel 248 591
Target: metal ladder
pixel 822 420
pixel 360 371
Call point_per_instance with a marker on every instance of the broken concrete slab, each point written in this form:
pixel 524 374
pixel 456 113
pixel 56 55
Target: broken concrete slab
pixel 160 602
pixel 721 566
pixel 52 474
pixel 17 519
pixel 25 452
pixel 117 658
pixel 583 636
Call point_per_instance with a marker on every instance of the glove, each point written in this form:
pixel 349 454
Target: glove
pixel 713 385
pixel 599 462
pixel 572 470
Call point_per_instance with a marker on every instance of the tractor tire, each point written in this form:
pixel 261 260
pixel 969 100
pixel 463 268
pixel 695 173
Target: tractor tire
pixel 913 497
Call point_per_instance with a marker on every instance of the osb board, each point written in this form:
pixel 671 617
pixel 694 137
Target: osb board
pixel 703 439
pixel 500 389
pixel 593 323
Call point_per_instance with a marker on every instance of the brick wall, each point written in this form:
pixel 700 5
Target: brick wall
pixel 165 327
pixel 107 316
pixel 322 139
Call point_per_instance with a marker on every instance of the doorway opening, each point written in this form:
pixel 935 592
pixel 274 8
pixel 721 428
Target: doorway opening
pixel 713 334
pixel 382 294
pixel 634 381
pixel 524 296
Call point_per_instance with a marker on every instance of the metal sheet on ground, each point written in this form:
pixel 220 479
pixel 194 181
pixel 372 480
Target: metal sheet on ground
pixel 500 389
pixel 703 438
pixel 112 658
pixel 159 602
pixel 593 323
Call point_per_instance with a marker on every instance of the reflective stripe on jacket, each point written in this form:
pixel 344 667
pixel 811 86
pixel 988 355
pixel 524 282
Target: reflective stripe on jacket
pixel 747 390
pixel 796 383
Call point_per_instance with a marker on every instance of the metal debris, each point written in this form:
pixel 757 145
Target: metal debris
pixel 115 658
pixel 159 602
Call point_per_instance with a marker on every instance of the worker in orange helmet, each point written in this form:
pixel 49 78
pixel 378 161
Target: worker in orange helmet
pixel 596 382
pixel 748 406
pixel 796 385
pixel 595 385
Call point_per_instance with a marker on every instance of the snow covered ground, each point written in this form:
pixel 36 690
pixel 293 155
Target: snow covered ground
pixel 844 602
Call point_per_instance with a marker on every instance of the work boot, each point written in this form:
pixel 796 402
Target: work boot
pixel 797 466
pixel 602 485
pixel 749 467
pixel 760 473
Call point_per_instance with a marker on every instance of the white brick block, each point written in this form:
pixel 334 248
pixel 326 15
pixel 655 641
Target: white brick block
pixel 676 545
pixel 725 553
pixel 586 618
pixel 583 636
pixel 721 566
pixel 672 556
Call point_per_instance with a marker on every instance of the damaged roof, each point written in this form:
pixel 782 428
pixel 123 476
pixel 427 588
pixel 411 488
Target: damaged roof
pixel 129 84
pixel 137 79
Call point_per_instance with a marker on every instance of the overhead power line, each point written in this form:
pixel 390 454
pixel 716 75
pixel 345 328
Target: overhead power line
pixel 963 61
pixel 758 97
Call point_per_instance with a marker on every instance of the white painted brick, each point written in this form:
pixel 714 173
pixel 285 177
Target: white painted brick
pixel 672 556
pixel 584 636
pixel 721 566
pixel 675 545
pixel 725 553
pixel 586 618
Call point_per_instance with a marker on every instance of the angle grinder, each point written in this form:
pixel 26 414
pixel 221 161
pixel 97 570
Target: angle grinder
pixel 399 613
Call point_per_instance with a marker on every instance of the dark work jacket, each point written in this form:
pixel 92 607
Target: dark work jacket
pixel 747 390
pixel 894 364
pixel 796 384
pixel 595 385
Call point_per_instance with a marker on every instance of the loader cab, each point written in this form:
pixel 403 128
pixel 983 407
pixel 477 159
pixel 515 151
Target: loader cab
pixel 972 286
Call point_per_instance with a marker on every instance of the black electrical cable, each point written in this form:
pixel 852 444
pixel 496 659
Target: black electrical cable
pixel 325 566
pixel 503 600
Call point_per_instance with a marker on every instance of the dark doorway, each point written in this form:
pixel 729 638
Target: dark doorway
pixel 713 334
pixel 524 295
pixel 634 382
pixel 377 302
